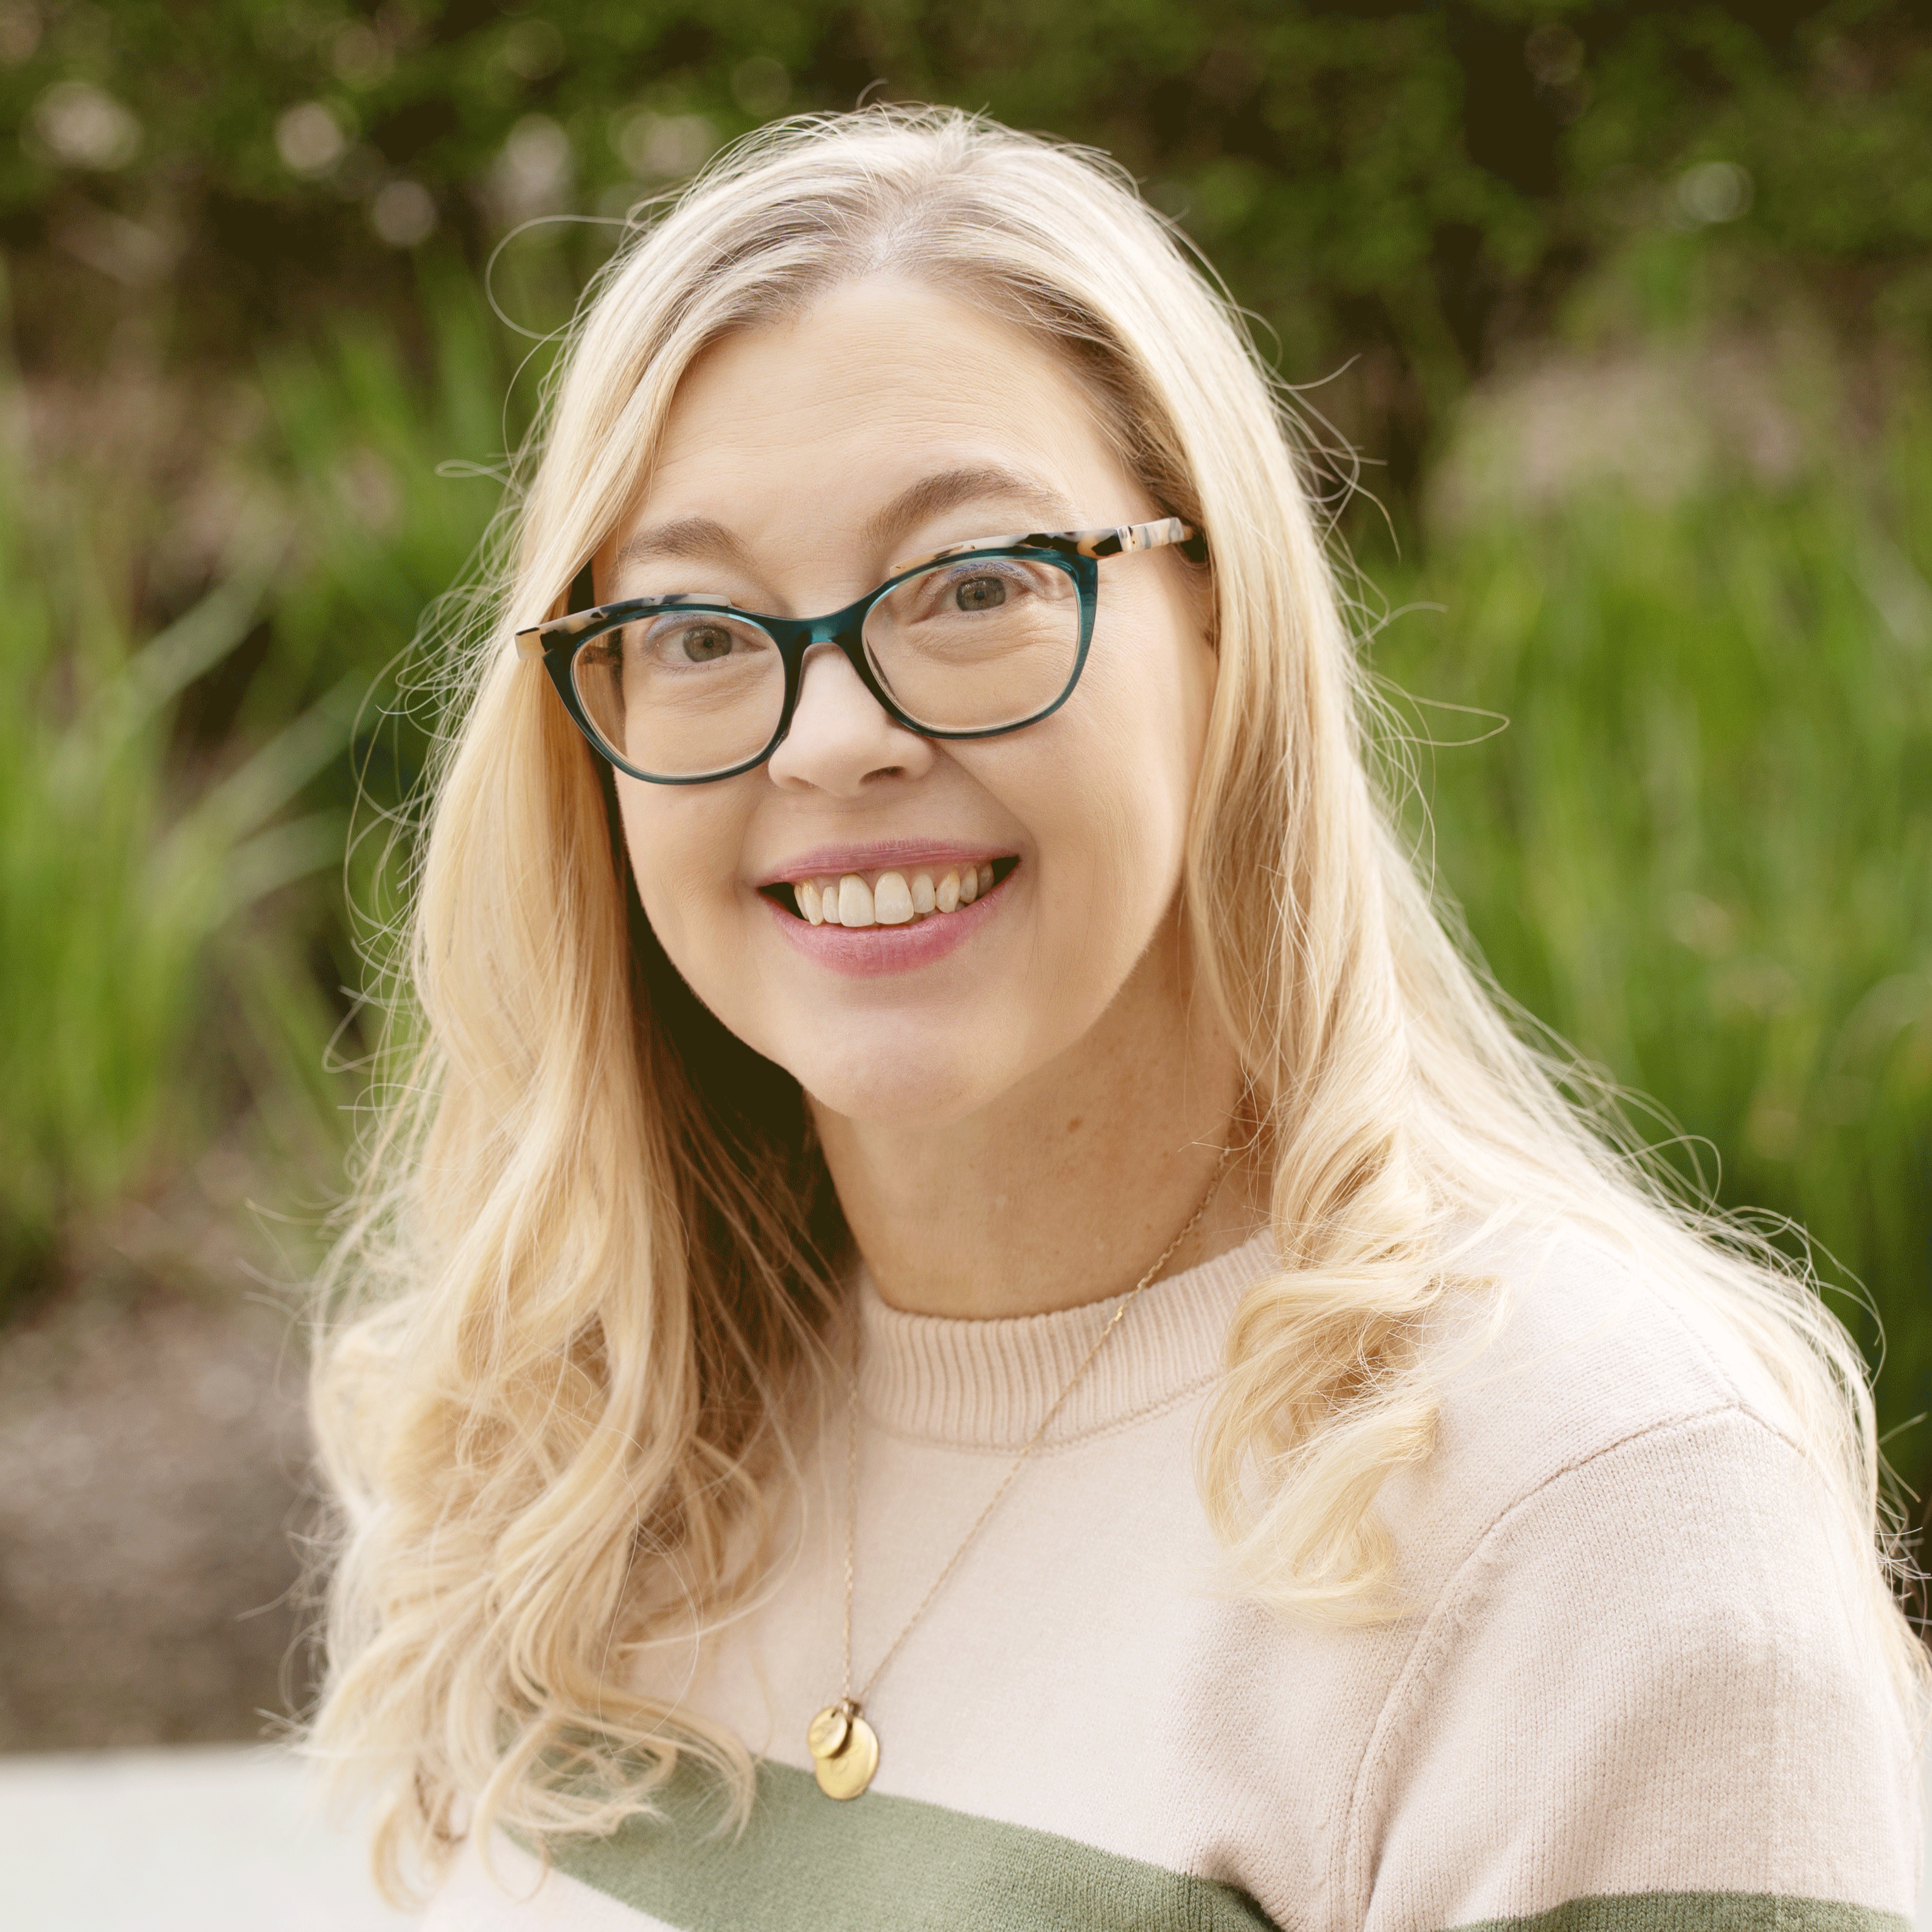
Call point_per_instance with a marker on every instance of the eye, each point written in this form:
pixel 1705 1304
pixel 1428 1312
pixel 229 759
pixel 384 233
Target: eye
pixel 702 642
pixel 979 593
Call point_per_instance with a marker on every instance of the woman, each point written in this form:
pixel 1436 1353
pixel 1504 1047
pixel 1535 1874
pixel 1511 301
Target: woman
pixel 977 1320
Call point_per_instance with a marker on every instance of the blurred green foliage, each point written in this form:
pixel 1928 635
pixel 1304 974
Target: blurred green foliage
pixel 1679 761
pixel 180 947
pixel 391 481
pixel 123 890
pixel 1698 849
pixel 1411 186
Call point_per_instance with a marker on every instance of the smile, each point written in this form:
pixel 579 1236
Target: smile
pixel 890 897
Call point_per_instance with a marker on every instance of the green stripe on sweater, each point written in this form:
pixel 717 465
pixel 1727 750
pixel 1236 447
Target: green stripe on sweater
pixel 1700 1911
pixel 805 1864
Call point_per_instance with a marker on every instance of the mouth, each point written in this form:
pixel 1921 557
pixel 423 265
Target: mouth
pixel 890 896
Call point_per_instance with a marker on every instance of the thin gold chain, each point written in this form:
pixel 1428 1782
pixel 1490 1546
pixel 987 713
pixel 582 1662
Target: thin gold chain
pixel 1132 1295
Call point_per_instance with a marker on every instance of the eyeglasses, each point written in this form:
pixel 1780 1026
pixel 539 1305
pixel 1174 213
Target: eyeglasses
pixel 977 639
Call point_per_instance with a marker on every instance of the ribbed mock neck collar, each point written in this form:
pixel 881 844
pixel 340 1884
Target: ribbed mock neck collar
pixel 987 1385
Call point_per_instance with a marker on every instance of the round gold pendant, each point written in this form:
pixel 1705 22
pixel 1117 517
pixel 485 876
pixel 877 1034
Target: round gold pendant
pixel 844 1771
pixel 826 1737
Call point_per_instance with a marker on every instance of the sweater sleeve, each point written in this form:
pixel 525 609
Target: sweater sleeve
pixel 1649 1700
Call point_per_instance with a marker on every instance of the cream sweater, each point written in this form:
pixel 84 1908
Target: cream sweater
pixel 1635 1693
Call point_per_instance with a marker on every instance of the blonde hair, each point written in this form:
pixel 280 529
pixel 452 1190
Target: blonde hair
pixel 586 1277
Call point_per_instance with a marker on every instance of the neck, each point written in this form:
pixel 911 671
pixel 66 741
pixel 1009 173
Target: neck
pixel 1065 1189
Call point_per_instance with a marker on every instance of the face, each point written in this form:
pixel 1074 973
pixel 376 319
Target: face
pixel 801 461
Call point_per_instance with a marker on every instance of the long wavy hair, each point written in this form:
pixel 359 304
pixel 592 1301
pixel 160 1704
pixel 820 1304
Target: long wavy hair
pixel 578 1306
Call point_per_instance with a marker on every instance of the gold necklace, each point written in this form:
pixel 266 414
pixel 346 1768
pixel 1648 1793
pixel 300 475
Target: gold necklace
pixel 844 1748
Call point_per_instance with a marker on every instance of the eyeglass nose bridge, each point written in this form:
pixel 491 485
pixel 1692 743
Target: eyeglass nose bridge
pixel 844 632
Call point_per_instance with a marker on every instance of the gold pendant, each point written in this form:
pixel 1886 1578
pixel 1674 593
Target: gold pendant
pixel 844 1750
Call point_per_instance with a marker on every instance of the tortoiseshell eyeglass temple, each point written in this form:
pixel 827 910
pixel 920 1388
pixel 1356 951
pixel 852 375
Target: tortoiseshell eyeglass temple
pixel 979 638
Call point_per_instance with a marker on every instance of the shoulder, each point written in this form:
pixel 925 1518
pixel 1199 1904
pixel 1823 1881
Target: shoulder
pixel 1575 1352
pixel 1647 1656
pixel 1604 1418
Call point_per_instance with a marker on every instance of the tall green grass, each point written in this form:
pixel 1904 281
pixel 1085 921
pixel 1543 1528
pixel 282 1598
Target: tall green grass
pixel 1690 821
pixel 126 881
pixel 175 945
pixel 391 461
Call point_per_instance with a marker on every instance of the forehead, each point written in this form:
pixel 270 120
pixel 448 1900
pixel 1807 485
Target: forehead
pixel 880 382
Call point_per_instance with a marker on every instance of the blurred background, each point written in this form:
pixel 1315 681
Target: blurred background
pixel 1624 312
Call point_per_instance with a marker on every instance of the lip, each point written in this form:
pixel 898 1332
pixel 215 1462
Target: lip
pixel 879 855
pixel 871 952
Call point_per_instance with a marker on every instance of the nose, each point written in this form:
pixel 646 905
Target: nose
pixel 841 740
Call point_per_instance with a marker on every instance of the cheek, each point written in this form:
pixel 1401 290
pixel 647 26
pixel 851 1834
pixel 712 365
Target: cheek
pixel 684 843
pixel 1143 732
pixel 1105 787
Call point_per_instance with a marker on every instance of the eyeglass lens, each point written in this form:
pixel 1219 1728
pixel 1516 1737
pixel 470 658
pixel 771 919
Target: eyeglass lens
pixel 978 644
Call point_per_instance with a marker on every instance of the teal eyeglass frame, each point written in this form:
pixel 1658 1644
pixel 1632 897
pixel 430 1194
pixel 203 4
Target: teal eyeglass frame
pixel 557 640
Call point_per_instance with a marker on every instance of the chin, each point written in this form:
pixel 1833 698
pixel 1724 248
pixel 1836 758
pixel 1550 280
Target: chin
pixel 899 1090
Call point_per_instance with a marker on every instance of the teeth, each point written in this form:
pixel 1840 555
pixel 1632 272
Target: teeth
pixel 855 901
pixel 891 899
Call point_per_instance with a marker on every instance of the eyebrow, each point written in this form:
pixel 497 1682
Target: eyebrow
pixel 933 495
pixel 697 538
pixel 703 539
